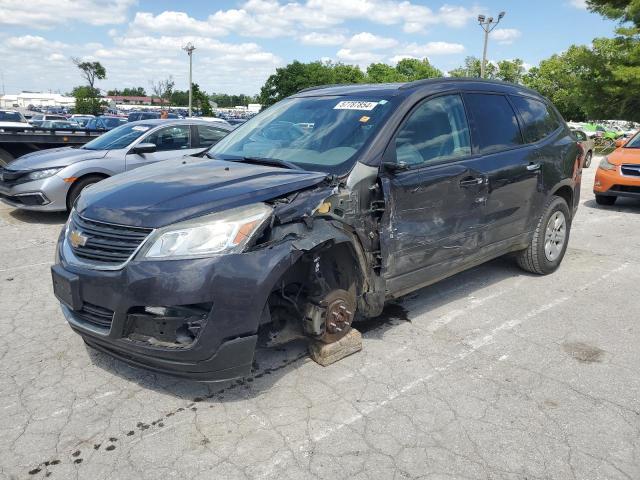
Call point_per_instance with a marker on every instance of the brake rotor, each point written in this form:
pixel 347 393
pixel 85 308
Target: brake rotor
pixel 340 309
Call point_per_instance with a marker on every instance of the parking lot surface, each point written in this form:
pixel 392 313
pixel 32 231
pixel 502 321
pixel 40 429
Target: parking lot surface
pixel 492 373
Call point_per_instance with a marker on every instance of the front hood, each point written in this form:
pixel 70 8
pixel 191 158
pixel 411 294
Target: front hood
pixel 625 155
pixel 55 157
pixel 175 190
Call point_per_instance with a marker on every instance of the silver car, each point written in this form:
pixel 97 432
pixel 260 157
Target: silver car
pixel 52 180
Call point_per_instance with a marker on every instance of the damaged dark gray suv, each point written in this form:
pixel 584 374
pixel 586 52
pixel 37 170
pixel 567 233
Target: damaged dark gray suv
pixel 313 214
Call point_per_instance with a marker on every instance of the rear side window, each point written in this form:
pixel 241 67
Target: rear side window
pixel 209 135
pixel 495 124
pixel 538 118
pixel 436 130
pixel 171 138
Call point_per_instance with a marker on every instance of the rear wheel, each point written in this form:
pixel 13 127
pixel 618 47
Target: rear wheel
pixel 605 199
pixel 550 238
pixel 77 188
pixel 587 159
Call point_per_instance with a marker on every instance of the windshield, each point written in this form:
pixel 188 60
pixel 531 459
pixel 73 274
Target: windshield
pixel 120 137
pixel 314 133
pixel 11 117
pixel 111 122
pixel 634 142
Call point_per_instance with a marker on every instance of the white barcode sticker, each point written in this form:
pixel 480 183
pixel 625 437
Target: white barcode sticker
pixel 355 105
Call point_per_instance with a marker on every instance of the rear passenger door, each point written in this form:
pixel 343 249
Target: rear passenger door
pixel 208 135
pixel 511 166
pixel 434 194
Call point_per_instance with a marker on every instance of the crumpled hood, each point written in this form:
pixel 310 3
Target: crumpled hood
pixel 54 157
pixel 175 190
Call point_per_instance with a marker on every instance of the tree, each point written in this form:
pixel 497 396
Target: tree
pixel 622 10
pixel 382 73
pixel 91 71
pixel 411 69
pixel 87 100
pixel 510 70
pixel 472 69
pixel 129 92
pixel 163 88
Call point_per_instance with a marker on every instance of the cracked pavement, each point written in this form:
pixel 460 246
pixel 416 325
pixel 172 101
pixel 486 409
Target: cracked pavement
pixel 491 374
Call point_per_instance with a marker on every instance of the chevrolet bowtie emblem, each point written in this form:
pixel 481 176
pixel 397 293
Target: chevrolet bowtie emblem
pixel 77 239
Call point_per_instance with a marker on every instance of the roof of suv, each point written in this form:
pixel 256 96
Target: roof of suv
pixel 435 84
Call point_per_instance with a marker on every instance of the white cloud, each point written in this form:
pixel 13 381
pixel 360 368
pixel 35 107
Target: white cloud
pixel 369 41
pixel 32 42
pixel 581 4
pixel 362 58
pixel 323 39
pixel 44 14
pixel 505 36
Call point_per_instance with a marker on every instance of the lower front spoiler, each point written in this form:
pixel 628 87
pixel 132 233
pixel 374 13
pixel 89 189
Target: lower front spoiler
pixel 621 191
pixel 232 360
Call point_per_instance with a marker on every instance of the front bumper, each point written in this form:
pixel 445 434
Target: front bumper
pixel 235 289
pixel 48 194
pixel 613 183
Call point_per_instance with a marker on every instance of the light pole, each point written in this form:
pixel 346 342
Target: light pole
pixel 189 48
pixel 487 24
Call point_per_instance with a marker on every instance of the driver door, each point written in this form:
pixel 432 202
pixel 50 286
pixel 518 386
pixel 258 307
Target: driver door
pixel 435 196
pixel 170 142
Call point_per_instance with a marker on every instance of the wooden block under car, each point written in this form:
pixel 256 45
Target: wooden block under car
pixel 328 353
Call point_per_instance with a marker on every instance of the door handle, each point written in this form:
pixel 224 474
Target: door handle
pixel 471 182
pixel 532 167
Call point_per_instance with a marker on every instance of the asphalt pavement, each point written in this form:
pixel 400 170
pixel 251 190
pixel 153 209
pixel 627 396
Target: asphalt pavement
pixel 491 374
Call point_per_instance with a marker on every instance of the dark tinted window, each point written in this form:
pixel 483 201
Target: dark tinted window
pixel 495 124
pixel 539 120
pixel 170 138
pixel 210 135
pixel 436 130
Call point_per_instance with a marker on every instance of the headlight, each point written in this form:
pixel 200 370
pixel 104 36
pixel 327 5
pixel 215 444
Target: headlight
pixel 605 165
pixel 223 232
pixel 38 174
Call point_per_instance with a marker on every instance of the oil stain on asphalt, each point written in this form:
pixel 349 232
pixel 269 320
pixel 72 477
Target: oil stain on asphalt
pixel 583 352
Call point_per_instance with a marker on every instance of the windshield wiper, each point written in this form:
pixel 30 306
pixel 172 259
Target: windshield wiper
pixel 266 161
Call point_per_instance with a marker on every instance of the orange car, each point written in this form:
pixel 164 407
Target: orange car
pixel 618 174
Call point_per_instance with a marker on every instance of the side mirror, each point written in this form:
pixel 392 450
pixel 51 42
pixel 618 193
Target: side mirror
pixel 620 142
pixel 394 167
pixel 144 148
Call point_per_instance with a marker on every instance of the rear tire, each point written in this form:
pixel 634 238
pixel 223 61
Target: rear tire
pixel 77 188
pixel 550 239
pixel 605 200
pixel 587 159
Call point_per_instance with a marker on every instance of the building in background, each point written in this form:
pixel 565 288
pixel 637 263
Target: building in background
pixel 36 99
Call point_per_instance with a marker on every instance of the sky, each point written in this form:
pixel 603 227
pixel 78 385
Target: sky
pixel 239 43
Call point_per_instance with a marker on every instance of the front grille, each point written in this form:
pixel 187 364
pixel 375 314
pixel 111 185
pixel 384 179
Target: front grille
pixel 102 317
pixel 630 170
pixel 104 243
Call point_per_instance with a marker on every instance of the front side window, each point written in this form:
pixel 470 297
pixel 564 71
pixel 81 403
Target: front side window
pixel 170 138
pixel 11 117
pixel 321 133
pixel 538 118
pixel 436 130
pixel 495 124
pixel 120 137
pixel 210 135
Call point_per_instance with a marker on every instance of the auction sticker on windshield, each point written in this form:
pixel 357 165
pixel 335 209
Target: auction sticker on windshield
pixel 140 128
pixel 355 105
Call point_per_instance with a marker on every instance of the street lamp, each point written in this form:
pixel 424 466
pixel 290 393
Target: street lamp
pixel 487 24
pixel 189 48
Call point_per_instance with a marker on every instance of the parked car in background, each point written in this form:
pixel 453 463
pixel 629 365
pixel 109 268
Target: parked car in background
pixel 135 116
pixel 37 119
pixel 104 123
pixel 217 120
pixel 618 174
pixel 600 134
pixel 81 119
pixel 13 118
pixel 61 124
pixel 174 267
pixel 587 144
pixel 52 180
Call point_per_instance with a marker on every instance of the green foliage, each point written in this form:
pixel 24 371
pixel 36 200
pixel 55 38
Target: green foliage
pixel 297 76
pixel 507 70
pixel 622 10
pixel 88 100
pixel 129 92
pixel 224 100
pixel 600 81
